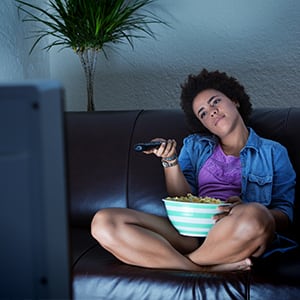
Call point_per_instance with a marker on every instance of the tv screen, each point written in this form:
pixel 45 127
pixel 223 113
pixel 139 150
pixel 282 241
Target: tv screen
pixel 34 259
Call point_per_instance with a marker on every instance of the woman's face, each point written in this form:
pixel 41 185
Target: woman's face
pixel 217 112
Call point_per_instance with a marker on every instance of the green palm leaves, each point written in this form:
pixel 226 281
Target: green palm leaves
pixel 83 24
pixel 88 26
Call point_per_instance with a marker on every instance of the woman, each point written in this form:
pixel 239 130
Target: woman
pixel 227 160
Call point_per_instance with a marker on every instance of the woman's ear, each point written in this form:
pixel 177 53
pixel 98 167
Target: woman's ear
pixel 237 103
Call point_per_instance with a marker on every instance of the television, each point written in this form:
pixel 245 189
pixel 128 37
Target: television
pixel 34 242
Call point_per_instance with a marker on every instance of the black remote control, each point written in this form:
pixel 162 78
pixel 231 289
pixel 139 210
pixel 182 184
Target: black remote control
pixel 146 146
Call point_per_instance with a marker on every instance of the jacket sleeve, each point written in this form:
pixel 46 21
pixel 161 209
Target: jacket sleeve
pixel 188 165
pixel 284 181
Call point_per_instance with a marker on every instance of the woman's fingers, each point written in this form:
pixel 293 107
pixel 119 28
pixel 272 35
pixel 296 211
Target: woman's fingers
pixel 166 149
pixel 227 207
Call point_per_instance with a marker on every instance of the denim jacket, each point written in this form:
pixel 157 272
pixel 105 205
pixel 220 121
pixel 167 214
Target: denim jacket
pixel 267 173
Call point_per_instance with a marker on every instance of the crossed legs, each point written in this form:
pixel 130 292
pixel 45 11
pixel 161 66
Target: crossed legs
pixel 151 241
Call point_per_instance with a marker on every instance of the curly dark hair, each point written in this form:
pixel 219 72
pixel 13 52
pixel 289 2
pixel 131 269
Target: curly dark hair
pixel 216 80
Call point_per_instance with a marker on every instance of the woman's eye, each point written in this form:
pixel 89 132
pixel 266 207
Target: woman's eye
pixel 216 101
pixel 202 114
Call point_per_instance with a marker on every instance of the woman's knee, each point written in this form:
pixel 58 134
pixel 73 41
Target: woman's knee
pixel 254 221
pixel 104 226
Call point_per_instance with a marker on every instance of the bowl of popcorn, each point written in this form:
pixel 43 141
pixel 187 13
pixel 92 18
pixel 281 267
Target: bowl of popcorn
pixel 192 215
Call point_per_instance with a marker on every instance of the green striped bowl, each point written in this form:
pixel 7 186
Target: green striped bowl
pixel 190 218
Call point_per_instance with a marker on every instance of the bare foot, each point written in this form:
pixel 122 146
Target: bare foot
pixel 243 265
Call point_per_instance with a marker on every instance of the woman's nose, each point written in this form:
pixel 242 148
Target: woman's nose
pixel 213 112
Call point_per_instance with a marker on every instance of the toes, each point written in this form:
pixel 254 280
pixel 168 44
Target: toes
pixel 244 265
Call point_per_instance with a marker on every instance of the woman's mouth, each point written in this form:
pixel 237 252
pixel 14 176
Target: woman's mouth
pixel 218 119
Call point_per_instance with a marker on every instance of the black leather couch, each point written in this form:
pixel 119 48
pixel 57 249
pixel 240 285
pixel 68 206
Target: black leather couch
pixel 104 171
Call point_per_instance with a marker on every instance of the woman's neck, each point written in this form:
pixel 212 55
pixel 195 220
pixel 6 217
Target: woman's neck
pixel 235 142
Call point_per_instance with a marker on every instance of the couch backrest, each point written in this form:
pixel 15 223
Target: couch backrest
pixel 104 170
pixel 97 152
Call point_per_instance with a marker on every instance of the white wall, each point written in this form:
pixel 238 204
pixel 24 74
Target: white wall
pixel 256 41
pixel 15 61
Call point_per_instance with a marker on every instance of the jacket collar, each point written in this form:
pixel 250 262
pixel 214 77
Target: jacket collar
pixel 253 141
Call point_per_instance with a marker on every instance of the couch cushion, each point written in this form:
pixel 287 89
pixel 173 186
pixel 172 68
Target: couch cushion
pixel 81 241
pixel 276 277
pixel 98 275
pixel 97 150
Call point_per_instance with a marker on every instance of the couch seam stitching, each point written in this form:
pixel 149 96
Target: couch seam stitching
pixel 128 155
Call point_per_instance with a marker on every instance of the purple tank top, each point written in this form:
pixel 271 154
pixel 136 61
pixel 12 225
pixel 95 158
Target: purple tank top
pixel 220 176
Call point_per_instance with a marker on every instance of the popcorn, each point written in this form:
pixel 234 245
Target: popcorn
pixel 191 198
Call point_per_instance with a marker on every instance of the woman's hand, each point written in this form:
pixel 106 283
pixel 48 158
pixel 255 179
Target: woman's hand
pixel 225 209
pixel 166 149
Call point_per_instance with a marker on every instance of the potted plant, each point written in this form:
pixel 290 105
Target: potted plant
pixel 88 26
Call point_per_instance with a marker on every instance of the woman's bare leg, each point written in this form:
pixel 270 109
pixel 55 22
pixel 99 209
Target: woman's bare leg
pixel 149 241
pixel 245 232
pixel 138 238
